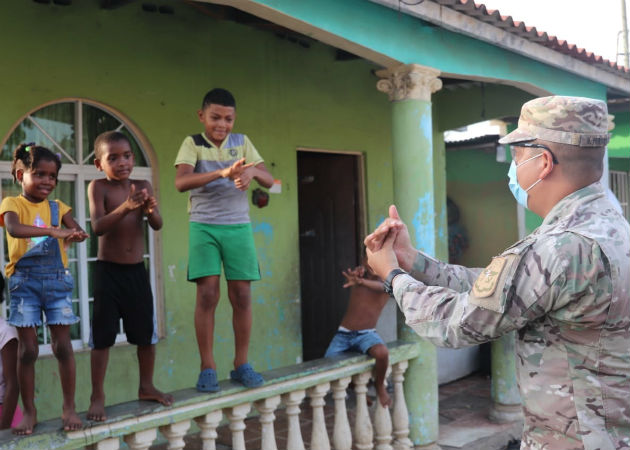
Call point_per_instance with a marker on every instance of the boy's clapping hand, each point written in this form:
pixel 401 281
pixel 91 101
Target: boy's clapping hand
pixel 149 205
pixel 136 199
pixel 236 169
pixel 354 277
pixel 243 181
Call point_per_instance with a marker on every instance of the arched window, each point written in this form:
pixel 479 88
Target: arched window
pixel 69 127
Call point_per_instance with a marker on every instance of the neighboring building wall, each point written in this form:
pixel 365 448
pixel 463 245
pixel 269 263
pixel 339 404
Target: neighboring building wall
pixel 155 68
pixel 619 145
pixel 621 164
pixel 477 183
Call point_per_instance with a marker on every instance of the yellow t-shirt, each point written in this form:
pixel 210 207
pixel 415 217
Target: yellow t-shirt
pixel 35 214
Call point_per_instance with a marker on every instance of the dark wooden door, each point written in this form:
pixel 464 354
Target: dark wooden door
pixel 328 198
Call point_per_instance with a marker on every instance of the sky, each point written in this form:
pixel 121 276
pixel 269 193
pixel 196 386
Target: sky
pixel 593 25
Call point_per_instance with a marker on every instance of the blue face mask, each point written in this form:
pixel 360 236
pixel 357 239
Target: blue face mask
pixel 518 192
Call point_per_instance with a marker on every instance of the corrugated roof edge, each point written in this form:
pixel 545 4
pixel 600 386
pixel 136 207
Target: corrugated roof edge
pixel 507 23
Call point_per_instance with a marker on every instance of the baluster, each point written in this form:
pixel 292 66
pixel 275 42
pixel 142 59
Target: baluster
pixel 294 438
pixel 363 433
pixel 236 415
pixel 175 433
pixel 105 444
pixel 342 436
pixel 141 440
pixel 266 408
pixel 382 422
pixel 208 424
pixel 401 415
pixel 382 427
pixel 319 435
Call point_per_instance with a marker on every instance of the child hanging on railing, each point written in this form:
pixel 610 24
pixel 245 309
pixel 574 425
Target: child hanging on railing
pixel 357 330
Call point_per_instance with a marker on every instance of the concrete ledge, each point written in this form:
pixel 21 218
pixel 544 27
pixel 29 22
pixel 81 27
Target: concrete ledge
pixel 129 417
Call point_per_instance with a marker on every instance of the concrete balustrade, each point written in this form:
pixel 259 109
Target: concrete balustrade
pixel 138 423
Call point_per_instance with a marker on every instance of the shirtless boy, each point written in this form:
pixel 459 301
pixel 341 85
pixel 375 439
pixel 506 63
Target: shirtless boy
pixel 357 330
pixel 122 289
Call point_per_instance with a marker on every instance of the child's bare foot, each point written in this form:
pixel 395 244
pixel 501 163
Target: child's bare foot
pixel 97 410
pixel 151 393
pixel 383 396
pixel 70 420
pixel 26 425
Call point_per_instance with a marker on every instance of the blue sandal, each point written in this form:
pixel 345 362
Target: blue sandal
pixel 247 376
pixel 207 381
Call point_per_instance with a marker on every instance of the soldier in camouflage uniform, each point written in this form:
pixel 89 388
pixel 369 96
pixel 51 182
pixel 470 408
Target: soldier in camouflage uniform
pixel 565 287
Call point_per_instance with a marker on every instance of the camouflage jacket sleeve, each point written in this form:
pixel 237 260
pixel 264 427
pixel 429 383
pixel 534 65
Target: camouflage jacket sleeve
pixel 547 275
pixel 436 273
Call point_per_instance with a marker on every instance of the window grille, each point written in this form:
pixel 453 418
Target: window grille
pixel 69 127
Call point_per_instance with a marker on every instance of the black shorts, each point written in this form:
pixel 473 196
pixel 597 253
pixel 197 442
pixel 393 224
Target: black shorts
pixel 121 291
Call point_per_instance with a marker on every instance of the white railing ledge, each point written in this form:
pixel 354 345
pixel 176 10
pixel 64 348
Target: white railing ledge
pixel 127 418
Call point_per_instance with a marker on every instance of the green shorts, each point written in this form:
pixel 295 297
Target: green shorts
pixel 232 244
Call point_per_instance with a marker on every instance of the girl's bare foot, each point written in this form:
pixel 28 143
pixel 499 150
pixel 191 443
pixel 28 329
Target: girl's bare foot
pixel 383 396
pixel 70 420
pixel 97 410
pixel 26 425
pixel 152 394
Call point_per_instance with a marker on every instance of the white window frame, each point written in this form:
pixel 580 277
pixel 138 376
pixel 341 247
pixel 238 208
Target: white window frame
pixel 81 173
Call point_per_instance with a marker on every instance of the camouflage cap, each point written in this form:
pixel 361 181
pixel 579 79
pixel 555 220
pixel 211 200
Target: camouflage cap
pixel 566 120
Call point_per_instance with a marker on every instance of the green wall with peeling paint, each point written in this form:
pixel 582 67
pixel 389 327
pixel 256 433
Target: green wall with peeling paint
pixel 155 69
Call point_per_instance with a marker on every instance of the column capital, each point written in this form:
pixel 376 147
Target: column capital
pixel 409 81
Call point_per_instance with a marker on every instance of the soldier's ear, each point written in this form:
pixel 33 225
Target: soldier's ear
pixel 548 165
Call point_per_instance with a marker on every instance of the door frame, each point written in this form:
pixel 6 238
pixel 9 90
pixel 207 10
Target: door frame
pixel 361 188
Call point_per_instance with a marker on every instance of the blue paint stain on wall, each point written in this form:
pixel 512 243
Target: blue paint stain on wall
pixel 423 224
pixel 426 125
pixel 380 219
pixel 265 228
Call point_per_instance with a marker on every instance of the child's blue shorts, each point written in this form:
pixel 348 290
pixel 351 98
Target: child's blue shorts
pixel 353 341
pixel 33 292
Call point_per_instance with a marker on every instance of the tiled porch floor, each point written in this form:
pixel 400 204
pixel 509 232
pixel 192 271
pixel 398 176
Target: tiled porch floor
pixel 463 408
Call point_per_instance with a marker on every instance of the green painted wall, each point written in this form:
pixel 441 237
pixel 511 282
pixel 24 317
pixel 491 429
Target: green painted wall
pixel 155 68
pixel 619 145
pixel 622 164
pixel 477 183
pixel 410 40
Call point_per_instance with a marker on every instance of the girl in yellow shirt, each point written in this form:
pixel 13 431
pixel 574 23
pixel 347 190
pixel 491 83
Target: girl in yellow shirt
pixel 38 276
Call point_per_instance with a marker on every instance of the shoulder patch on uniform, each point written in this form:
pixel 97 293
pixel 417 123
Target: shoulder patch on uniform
pixel 486 282
pixel 487 292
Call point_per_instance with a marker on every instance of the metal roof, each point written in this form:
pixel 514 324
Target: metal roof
pixel 507 23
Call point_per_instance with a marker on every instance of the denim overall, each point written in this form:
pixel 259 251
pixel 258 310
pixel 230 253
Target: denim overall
pixel 41 283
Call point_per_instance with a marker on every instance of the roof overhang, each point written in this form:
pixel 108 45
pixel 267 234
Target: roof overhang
pixel 450 20
pixel 278 17
pixel 457 22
